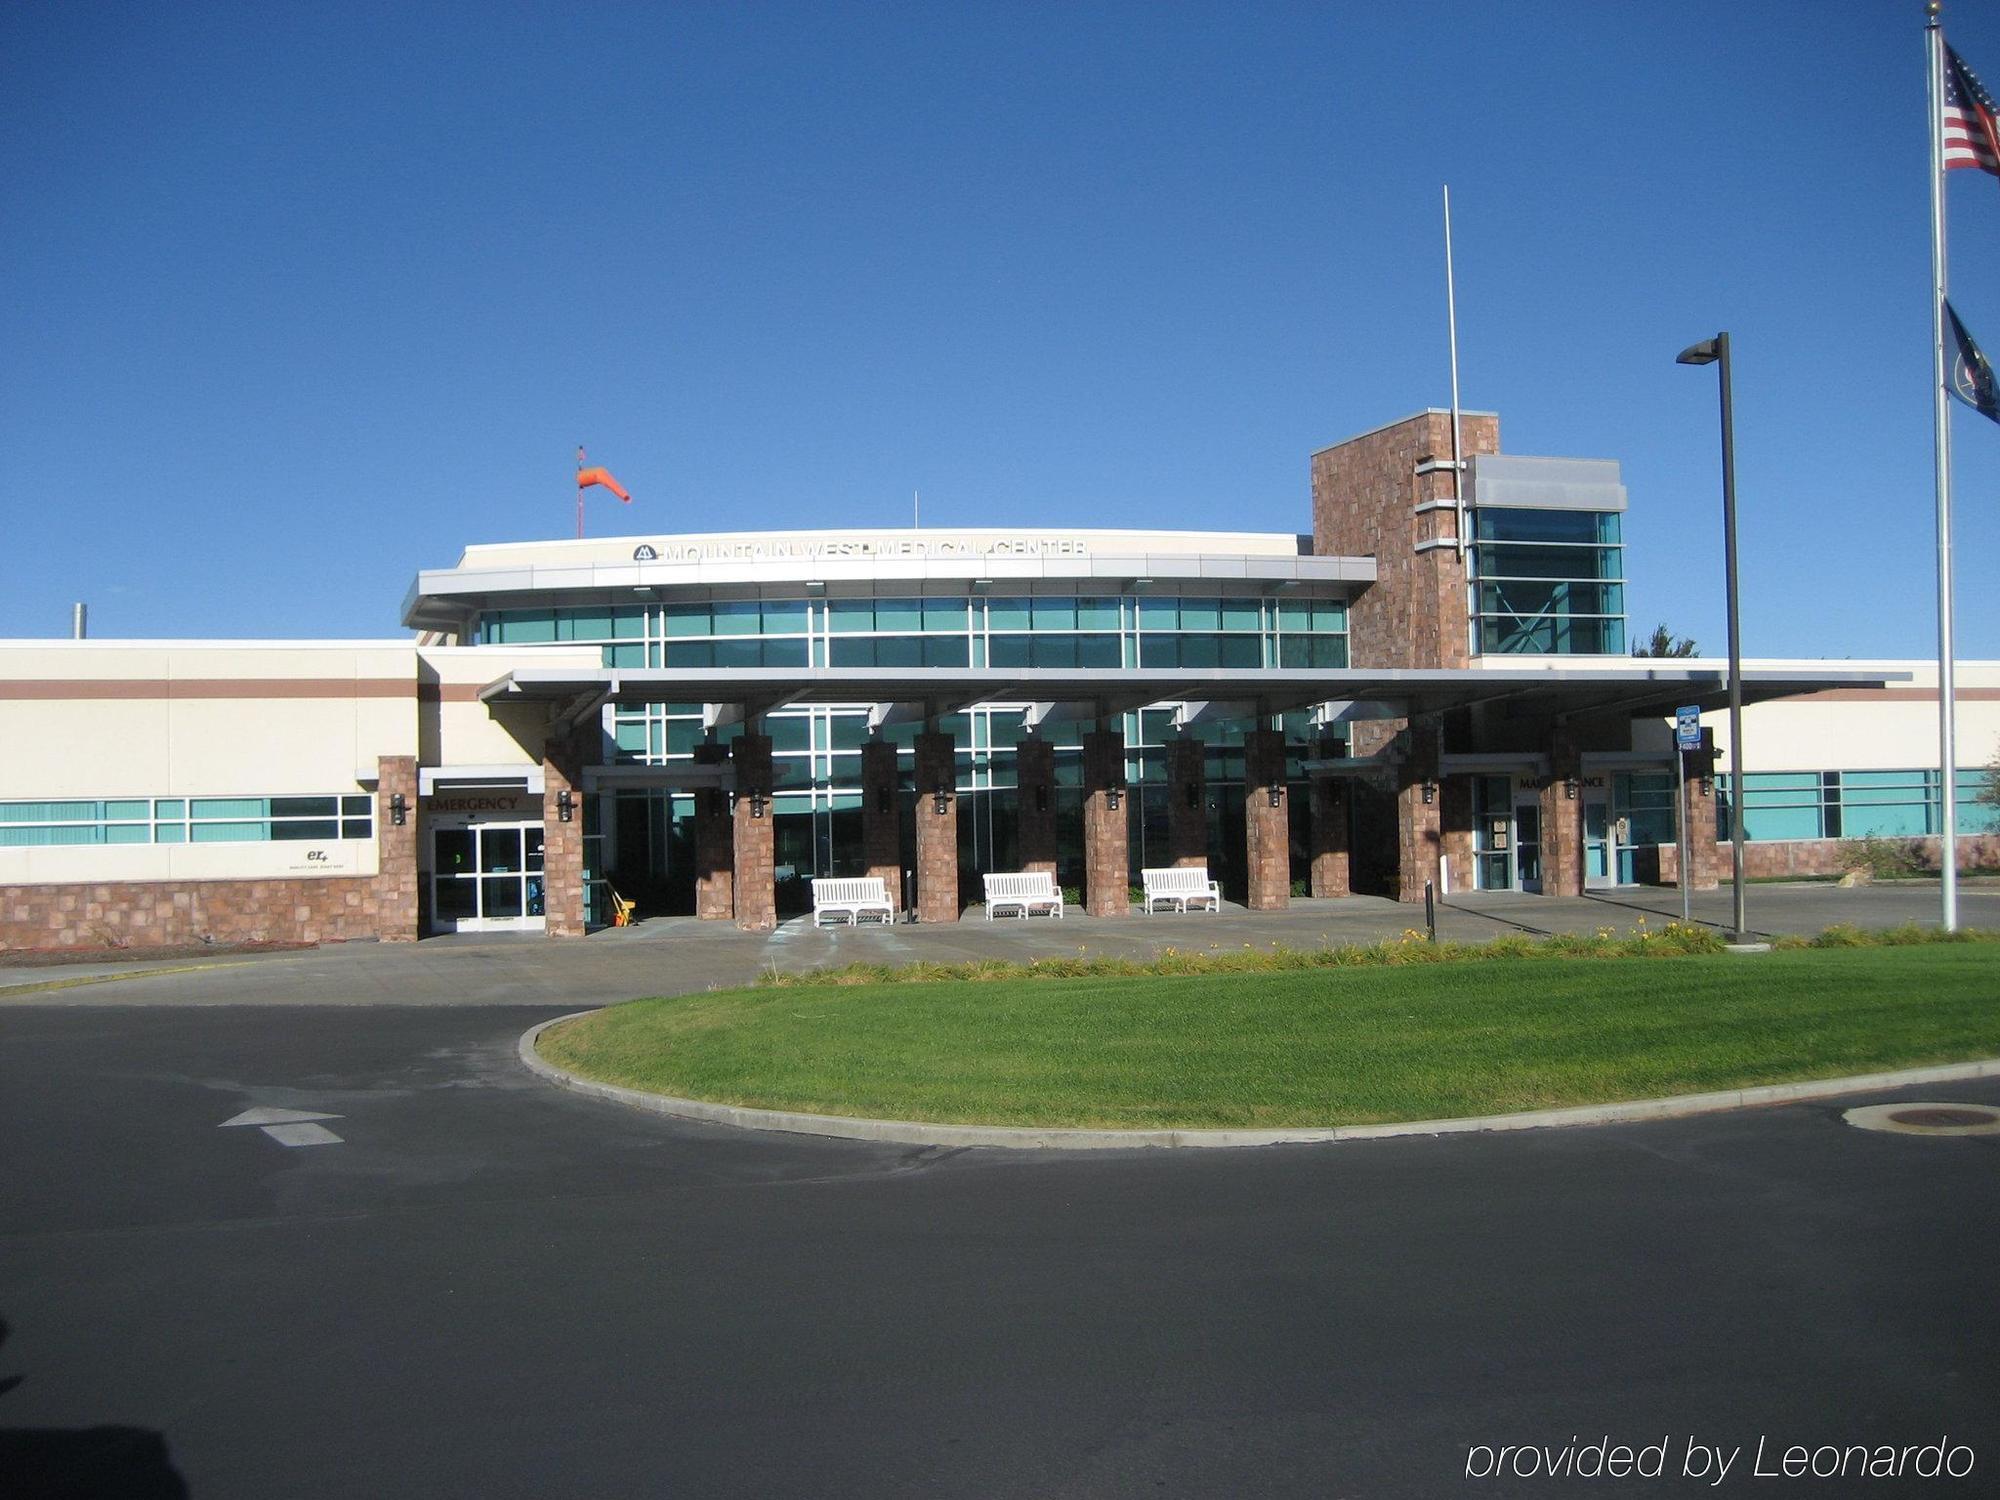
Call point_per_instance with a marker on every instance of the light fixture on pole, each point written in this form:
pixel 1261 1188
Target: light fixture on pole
pixel 1715 351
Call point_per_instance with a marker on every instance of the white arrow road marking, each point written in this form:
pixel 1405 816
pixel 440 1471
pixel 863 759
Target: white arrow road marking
pixel 287 1127
pixel 302 1135
pixel 265 1115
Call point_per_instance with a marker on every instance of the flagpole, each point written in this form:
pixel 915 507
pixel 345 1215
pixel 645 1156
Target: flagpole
pixel 1947 685
pixel 1451 320
pixel 579 492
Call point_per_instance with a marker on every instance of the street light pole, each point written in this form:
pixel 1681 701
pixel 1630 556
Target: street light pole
pixel 1716 351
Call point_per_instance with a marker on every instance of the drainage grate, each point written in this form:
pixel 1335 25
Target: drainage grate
pixel 1926 1119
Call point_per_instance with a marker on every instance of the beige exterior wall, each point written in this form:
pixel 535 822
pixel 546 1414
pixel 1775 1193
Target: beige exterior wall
pixel 456 729
pixel 1895 728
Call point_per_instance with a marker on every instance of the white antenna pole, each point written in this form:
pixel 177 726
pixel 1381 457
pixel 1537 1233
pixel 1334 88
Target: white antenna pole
pixel 916 511
pixel 1451 317
pixel 1947 687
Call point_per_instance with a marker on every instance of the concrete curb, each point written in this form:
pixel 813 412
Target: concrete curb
pixel 1055 1138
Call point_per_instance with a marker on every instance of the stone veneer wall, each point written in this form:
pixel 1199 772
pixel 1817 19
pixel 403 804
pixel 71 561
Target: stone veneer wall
pixel 1267 845
pixel 1107 870
pixel 937 832
pixel 1776 858
pixel 754 835
pixel 714 843
pixel 164 913
pixel 562 843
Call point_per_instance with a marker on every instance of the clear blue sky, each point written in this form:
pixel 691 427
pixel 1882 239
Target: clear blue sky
pixel 301 298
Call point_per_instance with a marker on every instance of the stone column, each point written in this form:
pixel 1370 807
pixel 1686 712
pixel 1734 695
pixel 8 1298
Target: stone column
pixel 937 832
pixel 1562 818
pixel 1035 803
pixel 1107 862
pixel 1187 802
pixel 751 831
pixel 1704 871
pixel 1267 835
pixel 562 843
pixel 1455 828
pixel 881 831
pixel 397 906
pixel 714 843
pixel 1332 871
pixel 1419 823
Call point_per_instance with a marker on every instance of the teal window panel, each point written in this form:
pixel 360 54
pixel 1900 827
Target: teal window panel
pixel 170 833
pixel 785 617
pixel 1881 820
pixel 1004 730
pixel 848 731
pixel 1160 651
pixel 1010 650
pixel 850 616
pixel 1007 614
pixel 689 622
pixel 1295 615
pixel 1100 650
pixel 630 737
pixel 1200 651
pixel 944 614
pixel 784 653
pixel 682 736
pixel 737 652
pixel 1329 615
pixel 946 651
pixel 1296 650
pixel 18 836
pixel 528 626
pixel 1052 651
pixel 592 624
pixel 132 808
pixel 901 615
pixel 230 833
pixel 48 812
pixel 1329 652
pixel 170 807
pixel 1593 563
pixel 1201 614
pixel 356 828
pixel 1244 652
pixel 788 733
pixel 691 653
pixel 1099 613
pixel 1241 614
pixel 737 617
pixel 360 806
pixel 1055 614
pixel 229 807
pixel 851 651
pixel 1571 527
pixel 628 623
pixel 1159 614
pixel 1780 781
pixel 626 654
pixel 898 650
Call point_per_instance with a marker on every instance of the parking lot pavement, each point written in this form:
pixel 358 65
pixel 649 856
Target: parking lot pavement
pixel 487 1287
pixel 680 955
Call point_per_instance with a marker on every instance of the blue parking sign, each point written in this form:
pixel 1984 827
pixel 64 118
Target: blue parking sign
pixel 1687 728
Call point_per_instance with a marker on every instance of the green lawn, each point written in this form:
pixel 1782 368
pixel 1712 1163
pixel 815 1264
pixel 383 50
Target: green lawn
pixel 1309 1047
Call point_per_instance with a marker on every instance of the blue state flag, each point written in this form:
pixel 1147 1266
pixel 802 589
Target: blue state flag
pixel 1971 376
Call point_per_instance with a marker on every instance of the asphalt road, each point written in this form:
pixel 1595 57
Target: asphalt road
pixel 490 1287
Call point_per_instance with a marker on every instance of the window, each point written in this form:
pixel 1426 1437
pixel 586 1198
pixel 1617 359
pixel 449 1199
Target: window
pixel 185 820
pixel 1548 582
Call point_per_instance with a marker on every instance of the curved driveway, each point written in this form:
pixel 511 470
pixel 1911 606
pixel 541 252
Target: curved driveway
pixel 489 1287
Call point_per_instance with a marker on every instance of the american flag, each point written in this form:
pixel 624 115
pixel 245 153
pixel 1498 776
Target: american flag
pixel 1971 124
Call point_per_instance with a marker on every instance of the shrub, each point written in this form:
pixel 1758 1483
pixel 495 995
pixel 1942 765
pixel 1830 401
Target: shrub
pixel 1883 859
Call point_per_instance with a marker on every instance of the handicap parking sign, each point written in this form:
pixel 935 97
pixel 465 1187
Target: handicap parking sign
pixel 1687 728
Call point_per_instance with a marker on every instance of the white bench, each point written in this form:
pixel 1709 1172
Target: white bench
pixel 1178 887
pixel 1030 890
pixel 852 898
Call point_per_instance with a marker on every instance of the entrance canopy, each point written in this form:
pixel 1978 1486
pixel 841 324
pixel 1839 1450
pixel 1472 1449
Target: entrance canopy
pixel 1637 691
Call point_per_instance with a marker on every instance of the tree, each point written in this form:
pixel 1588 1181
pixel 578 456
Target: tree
pixel 1989 789
pixel 1663 642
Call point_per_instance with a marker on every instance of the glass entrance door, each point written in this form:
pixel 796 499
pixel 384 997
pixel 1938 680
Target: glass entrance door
pixel 487 877
pixel 1528 844
pixel 1598 863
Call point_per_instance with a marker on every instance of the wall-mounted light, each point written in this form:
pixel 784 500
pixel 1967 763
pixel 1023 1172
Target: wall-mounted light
pixel 1113 795
pixel 1430 792
pixel 1041 798
pixel 756 803
pixel 399 809
pixel 565 805
pixel 941 803
pixel 1276 792
pixel 1569 788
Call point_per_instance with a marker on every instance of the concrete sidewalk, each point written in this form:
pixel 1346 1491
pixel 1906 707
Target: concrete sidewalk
pixel 678 955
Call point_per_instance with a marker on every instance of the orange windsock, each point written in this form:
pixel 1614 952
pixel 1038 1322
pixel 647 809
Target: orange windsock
pixel 585 478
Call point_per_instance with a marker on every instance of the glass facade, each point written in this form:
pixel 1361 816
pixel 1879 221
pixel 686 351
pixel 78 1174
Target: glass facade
pixel 188 820
pixel 1547 582
pixel 1056 631
pixel 1853 804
